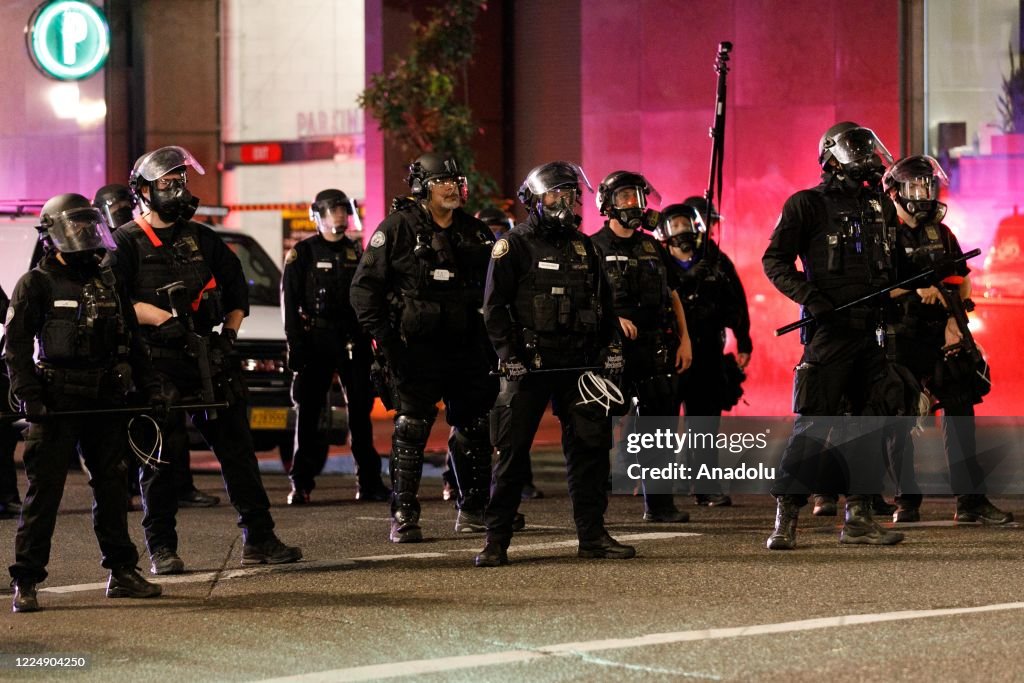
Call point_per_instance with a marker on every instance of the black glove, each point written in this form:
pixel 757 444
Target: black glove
pixel 171 332
pixel 820 308
pixel 512 369
pixel 35 410
pixel 161 396
pixel 297 354
pixel 397 355
pixel 614 363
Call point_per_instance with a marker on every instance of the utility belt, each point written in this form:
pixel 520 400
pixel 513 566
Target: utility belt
pixel 110 383
pixel 554 351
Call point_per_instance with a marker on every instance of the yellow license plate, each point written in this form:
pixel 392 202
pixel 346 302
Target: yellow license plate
pixel 268 418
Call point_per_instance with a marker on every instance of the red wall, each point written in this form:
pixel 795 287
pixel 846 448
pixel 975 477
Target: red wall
pixel 797 67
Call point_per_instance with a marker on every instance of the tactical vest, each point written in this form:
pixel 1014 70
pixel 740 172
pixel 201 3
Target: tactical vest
pixel 853 255
pixel 449 284
pixel 329 273
pixel 639 281
pixel 83 325
pixel 161 263
pixel 557 303
pixel 922 246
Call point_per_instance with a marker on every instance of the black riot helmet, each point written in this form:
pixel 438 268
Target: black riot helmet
pixel 915 182
pixel 682 227
pixel 324 202
pixel 71 225
pixel 170 198
pixel 431 168
pixel 848 149
pixel 551 192
pixel 629 198
pixel 709 214
pixel 496 219
pixel 116 202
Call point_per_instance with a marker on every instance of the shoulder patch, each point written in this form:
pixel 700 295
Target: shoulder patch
pixel 378 239
pixel 291 256
pixel 500 248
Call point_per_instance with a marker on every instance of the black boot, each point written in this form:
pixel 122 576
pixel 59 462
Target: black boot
pixel 126 582
pixel 860 526
pixel 787 512
pixel 605 547
pixel 880 507
pixel 24 596
pixel 494 554
pixel 825 506
pixel 406 469
pixel 269 551
pixel 470 522
pixel 978 509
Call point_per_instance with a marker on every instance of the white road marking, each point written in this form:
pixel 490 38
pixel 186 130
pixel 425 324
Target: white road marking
pixel 579 649
pixel 241 573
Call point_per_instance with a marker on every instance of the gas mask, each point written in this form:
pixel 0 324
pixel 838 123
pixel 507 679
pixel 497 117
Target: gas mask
pixel 174 202
pixel 87 261
pixel 560 214
pixel 923 211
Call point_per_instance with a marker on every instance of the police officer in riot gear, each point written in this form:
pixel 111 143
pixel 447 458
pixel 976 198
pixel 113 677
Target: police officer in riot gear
pixel 10 500
pixel 549 312
pixel 843 231
pixel 117 204
pixel 161 247
pixel 418 290
pixel 926 335
pixel 714 300
pixel 73 309
pixel 656 345
pixel 324 337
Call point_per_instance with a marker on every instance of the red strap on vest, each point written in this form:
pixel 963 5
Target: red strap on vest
pixel 953 280
pixel 150 233
pixel 211 284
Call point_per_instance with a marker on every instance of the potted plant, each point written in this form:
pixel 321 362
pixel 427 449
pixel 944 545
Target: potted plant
pixel 1011 108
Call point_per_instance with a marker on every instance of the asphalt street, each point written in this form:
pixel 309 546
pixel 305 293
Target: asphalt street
pixel 702 601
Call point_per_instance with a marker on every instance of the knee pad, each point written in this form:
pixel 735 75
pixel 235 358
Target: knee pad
pixel 412 430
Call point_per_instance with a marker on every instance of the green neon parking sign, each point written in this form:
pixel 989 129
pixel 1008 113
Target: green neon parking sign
pixel 68 39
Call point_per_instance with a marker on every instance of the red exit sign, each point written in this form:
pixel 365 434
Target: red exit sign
pixel 260 153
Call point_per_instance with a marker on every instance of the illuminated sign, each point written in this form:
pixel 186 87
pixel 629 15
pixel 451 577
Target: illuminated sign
pixel 68 40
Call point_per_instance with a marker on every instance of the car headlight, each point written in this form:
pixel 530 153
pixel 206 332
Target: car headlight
pixel 263 365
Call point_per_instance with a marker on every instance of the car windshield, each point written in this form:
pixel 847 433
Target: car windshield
pixel 261 273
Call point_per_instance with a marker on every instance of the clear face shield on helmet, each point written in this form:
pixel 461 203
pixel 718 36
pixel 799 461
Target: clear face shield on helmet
pixel 917 181
pixel 168 196
pixel 335 215
pixel 682 231
pixel 117 210
pixel 78 230
pixel 860 153
pixel 552 190
pixel 631 204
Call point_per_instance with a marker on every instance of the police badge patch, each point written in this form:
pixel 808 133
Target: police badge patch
pixel 290 256
pixel 649 248
pixel 500 248
pixel 378 239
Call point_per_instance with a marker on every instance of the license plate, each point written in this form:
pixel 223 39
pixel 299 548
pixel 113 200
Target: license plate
pixel 268 418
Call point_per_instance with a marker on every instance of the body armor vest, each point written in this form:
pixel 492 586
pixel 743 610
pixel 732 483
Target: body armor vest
pixel 638 279
pixel 451 265
pixel 854 254
pixel 922 246
pixel 557 302
pixel 329 275
pixel 182 260
pixel 83 325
